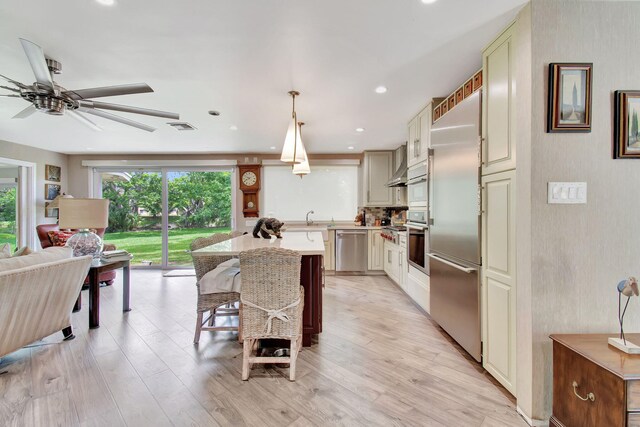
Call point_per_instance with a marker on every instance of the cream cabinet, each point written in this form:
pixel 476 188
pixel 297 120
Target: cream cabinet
pixel 376 250
pixel 419 137
pixel 499 277
pixel 391 257
pixel 378 169
pixel 499 105
pixel 330 251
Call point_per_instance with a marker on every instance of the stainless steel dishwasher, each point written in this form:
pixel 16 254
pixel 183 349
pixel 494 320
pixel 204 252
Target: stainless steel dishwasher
pixel 351 251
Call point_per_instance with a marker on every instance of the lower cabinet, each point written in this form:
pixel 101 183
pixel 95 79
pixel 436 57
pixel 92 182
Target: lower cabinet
pixel 395 265
pixel 376 250
pixel 330 252
pixel 499 277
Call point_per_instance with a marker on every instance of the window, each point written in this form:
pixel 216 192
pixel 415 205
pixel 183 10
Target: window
pixel 330 191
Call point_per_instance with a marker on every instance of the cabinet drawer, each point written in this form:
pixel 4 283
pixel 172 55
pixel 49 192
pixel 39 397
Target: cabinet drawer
pixel 633 420
pixel 608 406
pixel 633 396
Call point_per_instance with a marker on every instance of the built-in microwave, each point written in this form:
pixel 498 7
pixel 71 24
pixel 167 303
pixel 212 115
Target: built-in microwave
pixel 418 185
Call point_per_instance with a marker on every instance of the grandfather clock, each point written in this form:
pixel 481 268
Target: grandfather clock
pixel 250 186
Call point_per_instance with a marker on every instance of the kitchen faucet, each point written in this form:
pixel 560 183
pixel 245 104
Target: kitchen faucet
pixel 309 222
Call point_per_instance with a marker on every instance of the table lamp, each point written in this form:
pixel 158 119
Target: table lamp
pixel 84 215
pixel 628 288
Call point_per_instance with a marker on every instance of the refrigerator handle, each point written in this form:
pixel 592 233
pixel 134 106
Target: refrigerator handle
pixel 452 264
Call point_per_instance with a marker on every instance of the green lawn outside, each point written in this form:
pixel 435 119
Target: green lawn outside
pixel 8 238
pixel 147 245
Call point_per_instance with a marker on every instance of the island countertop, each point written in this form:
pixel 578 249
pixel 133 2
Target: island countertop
pixel 306 243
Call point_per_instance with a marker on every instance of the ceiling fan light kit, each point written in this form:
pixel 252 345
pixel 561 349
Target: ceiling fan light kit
pixel 48 97
pixel 293 149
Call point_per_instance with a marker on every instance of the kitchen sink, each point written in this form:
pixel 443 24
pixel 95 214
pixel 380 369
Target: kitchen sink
pixel 307 228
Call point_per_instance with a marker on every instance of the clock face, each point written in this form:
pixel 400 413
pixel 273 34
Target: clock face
pixel 249 179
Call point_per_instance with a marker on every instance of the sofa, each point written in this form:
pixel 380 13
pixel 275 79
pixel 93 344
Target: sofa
pixel 43 234
pixel 37 293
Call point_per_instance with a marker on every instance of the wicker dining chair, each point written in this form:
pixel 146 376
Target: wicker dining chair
pixel 216 304
pixel 272 301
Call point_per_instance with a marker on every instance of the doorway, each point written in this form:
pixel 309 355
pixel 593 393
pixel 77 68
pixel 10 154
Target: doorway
pixel 156 213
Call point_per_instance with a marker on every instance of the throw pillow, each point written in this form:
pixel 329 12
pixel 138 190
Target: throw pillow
pixel 59 238
pixel 25 250
pixel 5 251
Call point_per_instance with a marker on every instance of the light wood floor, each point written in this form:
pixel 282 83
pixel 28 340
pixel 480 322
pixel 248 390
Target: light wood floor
pixel 379 361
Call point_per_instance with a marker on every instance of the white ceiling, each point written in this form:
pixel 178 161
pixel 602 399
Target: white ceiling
pixel 241 57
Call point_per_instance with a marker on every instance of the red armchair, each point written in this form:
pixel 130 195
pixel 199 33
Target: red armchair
pixel 43 234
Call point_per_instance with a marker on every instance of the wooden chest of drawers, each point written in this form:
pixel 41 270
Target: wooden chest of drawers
pixel 594 384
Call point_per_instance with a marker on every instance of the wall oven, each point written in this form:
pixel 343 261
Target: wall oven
pixel 418 185
pixel 418 240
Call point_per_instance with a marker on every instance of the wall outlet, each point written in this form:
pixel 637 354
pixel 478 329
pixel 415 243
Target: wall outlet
pixel 567 192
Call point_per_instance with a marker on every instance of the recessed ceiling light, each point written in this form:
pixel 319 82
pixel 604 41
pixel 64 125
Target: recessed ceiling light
pixel 107 2
pixel 233 127
pixel 214 112
pixel 272 148
pixel 381 89
pixel 359 129
pixel 351 147
pixel 428 1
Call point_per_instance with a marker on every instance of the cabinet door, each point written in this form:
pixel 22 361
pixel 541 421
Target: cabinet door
pixel 498 105
pixel 376 250
pixel 378 170
pixel 424 142
pixel 413 139
pixel 404 269
pixel 499 277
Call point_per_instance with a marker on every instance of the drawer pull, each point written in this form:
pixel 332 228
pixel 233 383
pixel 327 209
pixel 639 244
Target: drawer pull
pixel 590 396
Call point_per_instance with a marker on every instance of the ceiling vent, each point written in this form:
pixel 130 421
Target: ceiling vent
pixel 181 126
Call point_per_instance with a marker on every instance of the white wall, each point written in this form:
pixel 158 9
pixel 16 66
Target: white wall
pixel 578 253
pixel 40 158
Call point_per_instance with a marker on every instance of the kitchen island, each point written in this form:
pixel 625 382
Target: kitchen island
pixel 311 246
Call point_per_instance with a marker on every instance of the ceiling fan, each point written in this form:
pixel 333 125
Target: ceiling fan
pixel 48 97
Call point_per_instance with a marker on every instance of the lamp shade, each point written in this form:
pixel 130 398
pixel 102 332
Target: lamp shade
pixel 55 203
pixel 302 168
pixel 293 149
pixel 84 213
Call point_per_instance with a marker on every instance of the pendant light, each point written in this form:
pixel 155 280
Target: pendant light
pixel 302 169
pixel 293 149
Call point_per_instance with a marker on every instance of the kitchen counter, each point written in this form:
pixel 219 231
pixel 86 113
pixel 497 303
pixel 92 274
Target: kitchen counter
pixel 306 243
pixel 355 227
pixel 311 246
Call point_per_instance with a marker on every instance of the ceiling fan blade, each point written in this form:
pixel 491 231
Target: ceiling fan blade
pixel 36 58
pixel 20 85
pixel 26 112
pixel 82 119
pixel 115 118
pixel 10 96
pixel 9 88
pixel 128 109
pixel 98 92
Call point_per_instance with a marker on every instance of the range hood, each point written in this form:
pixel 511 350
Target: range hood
pixel 399 178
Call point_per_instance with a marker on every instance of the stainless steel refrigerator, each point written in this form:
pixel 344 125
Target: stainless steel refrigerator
pixel 455 231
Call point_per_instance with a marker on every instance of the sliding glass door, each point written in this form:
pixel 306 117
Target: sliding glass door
pixel 156 213
pixel 199 205
pixel 8 212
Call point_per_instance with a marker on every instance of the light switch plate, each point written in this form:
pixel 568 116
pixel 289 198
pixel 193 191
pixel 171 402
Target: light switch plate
pixel 567 192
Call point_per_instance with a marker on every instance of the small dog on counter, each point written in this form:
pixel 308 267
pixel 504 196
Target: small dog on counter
pixel 267 227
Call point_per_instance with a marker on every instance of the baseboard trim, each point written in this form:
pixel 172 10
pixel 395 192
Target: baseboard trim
pixel 532 422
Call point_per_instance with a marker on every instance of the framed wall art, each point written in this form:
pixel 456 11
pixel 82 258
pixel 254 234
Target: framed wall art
pixel 51 191
pixel 569 108
pixel 50 212
pixel 52 173
pixel 626 130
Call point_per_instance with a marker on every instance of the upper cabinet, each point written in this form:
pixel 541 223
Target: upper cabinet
pixel 419 132
pixel 498 105
pixel 378 169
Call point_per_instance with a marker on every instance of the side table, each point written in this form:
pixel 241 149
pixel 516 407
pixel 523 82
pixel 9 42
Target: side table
pixel 98 267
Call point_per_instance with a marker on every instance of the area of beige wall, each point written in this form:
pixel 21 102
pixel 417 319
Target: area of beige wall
pixel 580 252
pixel 40 158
